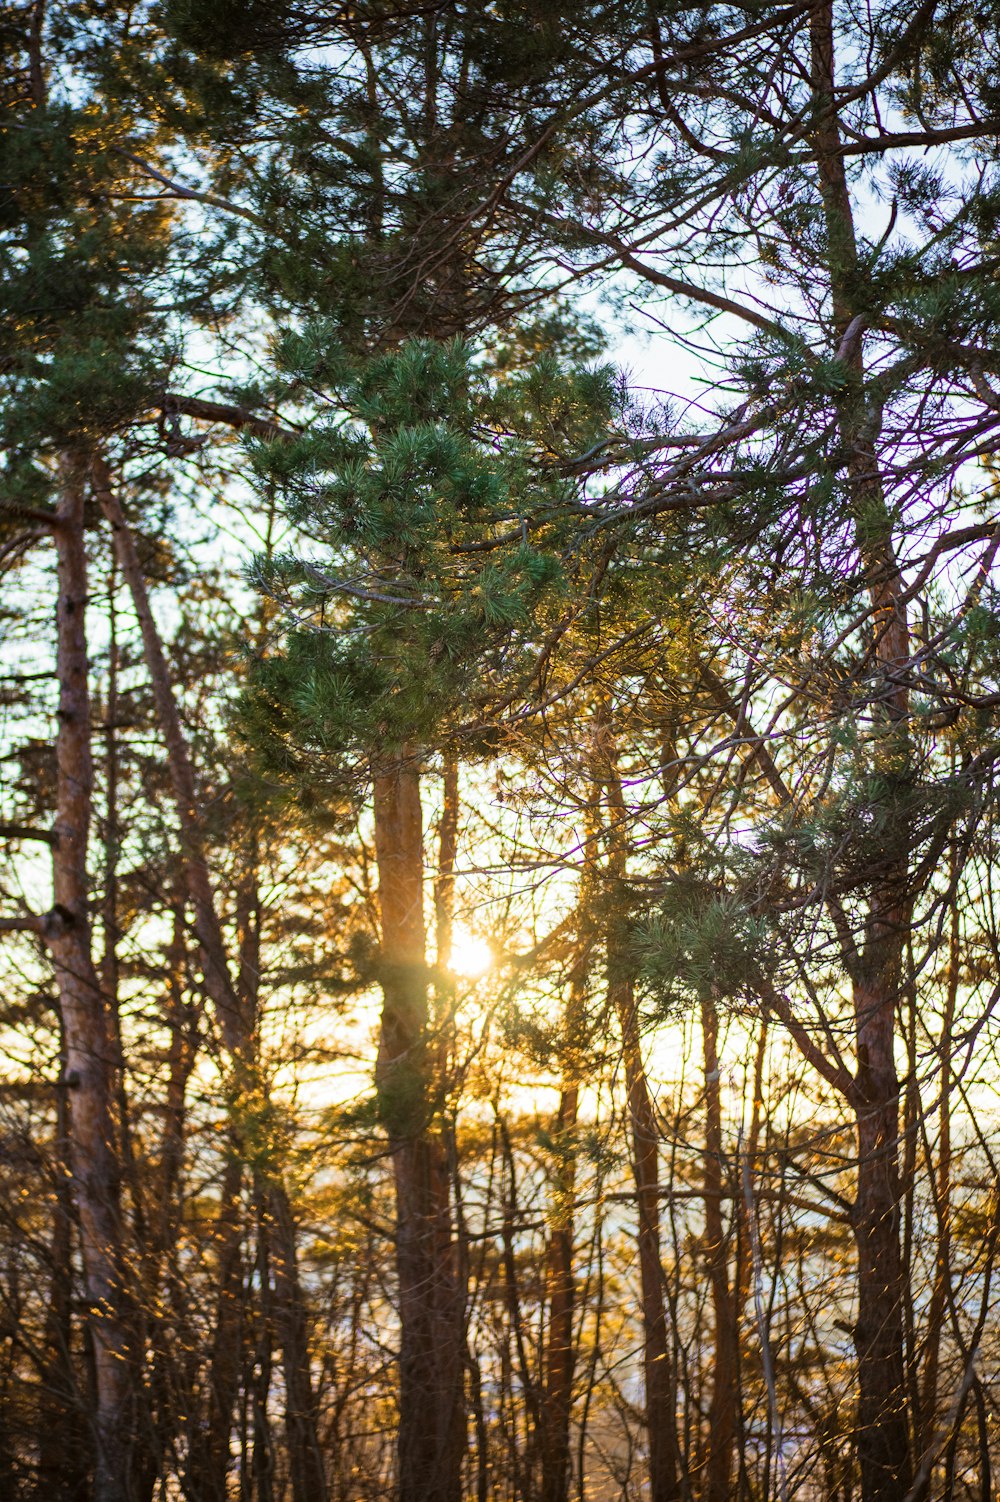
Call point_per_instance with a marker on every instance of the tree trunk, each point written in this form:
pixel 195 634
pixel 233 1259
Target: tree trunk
pixel 942 1191
pixel 661 1407
pixel 431 1439
pixel 722 1410
pixel 661 1418
pixel 883 1420
pixel 526 1423
pixel 236 1007
pixel 65 1458
pixel 209 1444
pixel 883 1440
pixel 170 1359
pixel 556 1398
pixel 89 1045
pixel 305 1460
pixel 444 886
pixel 258 1481
pixel 218 982
pixel 209 1447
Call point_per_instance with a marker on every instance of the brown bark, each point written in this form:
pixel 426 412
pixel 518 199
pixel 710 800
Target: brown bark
pixel 942 1190
pixel 181 1020
pixel 443 1018
pixel 556 1396
pixel 257 1423
pixel 65 1459
pixel 748 1240
pixel 89 1046
pixel 209 1454
pixel 520 1458
pixel 444 1026
pixel 171 1359
pixel 883 1420
pixel 431 1433
pixel 661 1405
pixel 883 1439
pixel 745 1259
pixel 661 1416
pixel 723 1406
pixel 305 1459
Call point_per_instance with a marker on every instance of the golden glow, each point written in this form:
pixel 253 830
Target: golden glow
pixel 470 956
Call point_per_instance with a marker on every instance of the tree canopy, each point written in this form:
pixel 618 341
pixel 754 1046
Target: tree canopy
pixel 501 674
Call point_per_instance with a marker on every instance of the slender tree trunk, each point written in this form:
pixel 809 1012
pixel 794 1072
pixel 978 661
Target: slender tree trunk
pixel 444 886
pixel 723 1407
pixel 431 1438
pixel 746 1239
pixel 236 1006
pixel 942 1189
pixel 883 1419
pixel 149 1438
pixel 171 1358
pixel 744 1269
pixel 661 1407
pixel 209 1448
pixel 210 1437
pixel 444 1025
pixel 65 1459
pixel 661 1418
pixel 305 1460
pixel 259 1484
pixel 520 1457
pixel 218 982
pixel 182 1024
pixel 883 1440
pixel 556 1397
pixel 89 1045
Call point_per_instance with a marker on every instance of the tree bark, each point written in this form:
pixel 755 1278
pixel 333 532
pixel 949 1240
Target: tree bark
pixel 209 1441
pixel 65 1459
pixel 883 1419
pixel 942 1191
pixel 431 1436
pixel 661 1406
pixel 556 1397
pixel 883 1439
pixel 723 1407
pixel 661 1415
pixel 89 1044
pixel 305 1459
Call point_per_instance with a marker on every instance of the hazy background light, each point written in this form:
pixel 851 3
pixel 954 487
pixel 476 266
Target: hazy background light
pixel 470 955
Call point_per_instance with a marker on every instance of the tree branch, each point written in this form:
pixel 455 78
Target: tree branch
pixel 25 832
pixel 229 414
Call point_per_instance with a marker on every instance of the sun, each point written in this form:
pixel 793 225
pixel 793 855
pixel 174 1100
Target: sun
pixel 470 956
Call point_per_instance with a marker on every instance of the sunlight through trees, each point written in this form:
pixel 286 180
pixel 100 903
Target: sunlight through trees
pixel 500 709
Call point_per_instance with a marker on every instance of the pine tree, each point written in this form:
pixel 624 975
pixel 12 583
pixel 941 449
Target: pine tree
pixel 81 352
pixel 418 615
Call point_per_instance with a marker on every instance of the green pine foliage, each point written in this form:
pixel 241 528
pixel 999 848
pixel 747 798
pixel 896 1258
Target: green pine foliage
pixel 435 509
pixel 80 270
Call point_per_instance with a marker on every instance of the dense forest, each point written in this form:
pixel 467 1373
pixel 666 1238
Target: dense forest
pixel 499 750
